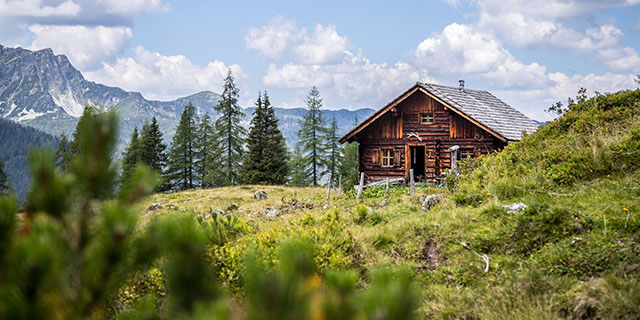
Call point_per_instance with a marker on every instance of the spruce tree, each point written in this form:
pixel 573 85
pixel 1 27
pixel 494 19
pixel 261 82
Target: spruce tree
pixel 312 136
pixel 229 132
pixel 348 166
pixel 131 156
pixel 266 160
pixel 63 153
pixel 298 176
pixel 153 150
pixel 334 153
pixel 180 172
pixel 207 154
pixel 5 187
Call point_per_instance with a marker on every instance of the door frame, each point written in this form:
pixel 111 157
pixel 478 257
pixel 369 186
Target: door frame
pixel 407 157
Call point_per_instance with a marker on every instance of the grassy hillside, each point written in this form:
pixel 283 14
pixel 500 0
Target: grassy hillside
pixel 574 252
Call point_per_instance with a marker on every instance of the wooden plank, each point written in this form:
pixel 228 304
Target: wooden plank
pixel 377 115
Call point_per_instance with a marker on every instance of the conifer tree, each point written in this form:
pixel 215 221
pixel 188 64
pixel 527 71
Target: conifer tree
pixel 334 153
pixel 153 150
pixel 348 166
pixel 207 154
pixel 229 132
pixel 298 176
pixel 5 187
pixel 266 160
pixel 180 172
pixel 131 156
pixel 312 137
pixel 63 153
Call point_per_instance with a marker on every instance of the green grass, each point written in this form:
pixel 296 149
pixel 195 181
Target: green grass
pixel 573 253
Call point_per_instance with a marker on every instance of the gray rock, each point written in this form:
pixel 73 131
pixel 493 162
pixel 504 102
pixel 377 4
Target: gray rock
pixel 429 201
pixel 270 212
pixel 260 195
pixel 515 207
pixel 154 207
pixel 187 200
pixel 219 212
pixel 172 207
pixel 383 203
pixel 161 200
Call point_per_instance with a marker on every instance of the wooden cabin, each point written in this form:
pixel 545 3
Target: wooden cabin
pixel 430 126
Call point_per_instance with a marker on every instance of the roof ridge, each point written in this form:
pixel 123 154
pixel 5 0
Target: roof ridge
pixel 450 87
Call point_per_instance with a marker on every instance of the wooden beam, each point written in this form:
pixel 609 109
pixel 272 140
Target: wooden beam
pixel 378 114
pixel 497 135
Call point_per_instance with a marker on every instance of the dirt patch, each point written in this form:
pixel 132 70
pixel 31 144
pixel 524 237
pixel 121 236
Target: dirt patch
pixel 430 254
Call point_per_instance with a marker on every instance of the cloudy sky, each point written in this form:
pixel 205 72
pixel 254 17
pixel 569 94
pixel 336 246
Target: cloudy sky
pixel 358 53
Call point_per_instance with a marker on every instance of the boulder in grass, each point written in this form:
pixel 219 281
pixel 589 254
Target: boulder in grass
pixel 154 207
pixel 429 201
pixel 270 212
pixel 515 207
pixel 260 195
pixel 383 203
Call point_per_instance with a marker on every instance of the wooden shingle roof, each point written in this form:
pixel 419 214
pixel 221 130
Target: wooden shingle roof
pixel 485 108
pixel 478 106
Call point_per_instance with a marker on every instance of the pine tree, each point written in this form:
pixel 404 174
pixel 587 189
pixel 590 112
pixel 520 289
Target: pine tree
pixel 312 137
pixel 180 172
pixel 5 187
pixel 348 166
pixel 298 176
pixel 266 160
pixel 131 156
pixel 229 132
pixel 207 154
pixel 334 153
pixel 153 150
pixel 63 153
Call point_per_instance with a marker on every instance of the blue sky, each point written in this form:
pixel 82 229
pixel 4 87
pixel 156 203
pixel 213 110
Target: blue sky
pixel 359 53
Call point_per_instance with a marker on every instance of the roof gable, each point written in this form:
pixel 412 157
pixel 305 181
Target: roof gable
pixel 480 107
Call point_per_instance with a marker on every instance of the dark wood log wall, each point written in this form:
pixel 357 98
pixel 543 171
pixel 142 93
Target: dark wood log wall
pixel 392 130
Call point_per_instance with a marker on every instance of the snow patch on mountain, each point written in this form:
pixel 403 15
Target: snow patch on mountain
pixel 67 101
pixel 27 115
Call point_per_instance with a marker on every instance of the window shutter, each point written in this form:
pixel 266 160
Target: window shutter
pixel 376 157
pixel 396 158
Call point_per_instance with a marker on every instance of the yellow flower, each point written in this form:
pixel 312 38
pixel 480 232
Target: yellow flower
pixel 471 264
pixel 470 207
pixel 625 209
pixel 488 193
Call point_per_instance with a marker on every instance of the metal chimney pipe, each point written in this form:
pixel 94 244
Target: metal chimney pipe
pixel 461 85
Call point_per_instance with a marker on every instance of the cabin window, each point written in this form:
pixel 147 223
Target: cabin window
pixel 426 117
pixel 387 157
pixel 466 154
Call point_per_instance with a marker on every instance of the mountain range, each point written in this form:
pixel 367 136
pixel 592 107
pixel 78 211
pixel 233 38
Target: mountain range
pixel 45 91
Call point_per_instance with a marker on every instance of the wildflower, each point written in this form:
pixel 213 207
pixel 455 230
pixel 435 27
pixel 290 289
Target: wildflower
pixel 471 264
pixel 489 193
pixel 625 209
pixel 470 207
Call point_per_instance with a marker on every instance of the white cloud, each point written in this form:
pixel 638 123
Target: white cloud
pixel 35 8
pixel 282 38
pixel 273 38
pixel 163 77
pixel 325 45
pixel 461 50
pixel 85 46
pixel 524 23
pixel 355 81
pixel 621 59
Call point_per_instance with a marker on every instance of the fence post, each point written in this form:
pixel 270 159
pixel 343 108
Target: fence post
pixel 329 187
pixel 411 182
pixel 339 185
pixel 361 187
pixel 387 186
